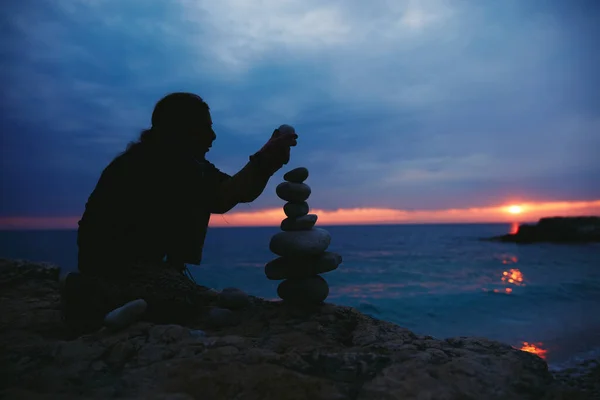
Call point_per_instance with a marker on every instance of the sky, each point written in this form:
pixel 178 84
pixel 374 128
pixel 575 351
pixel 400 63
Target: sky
pixel 407 111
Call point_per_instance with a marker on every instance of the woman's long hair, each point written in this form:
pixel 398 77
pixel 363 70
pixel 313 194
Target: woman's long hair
pixel 170 114
pixel 148 139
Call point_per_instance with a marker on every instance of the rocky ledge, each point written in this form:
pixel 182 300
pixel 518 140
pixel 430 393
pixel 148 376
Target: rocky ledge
pixel 557 230
pixel 275 351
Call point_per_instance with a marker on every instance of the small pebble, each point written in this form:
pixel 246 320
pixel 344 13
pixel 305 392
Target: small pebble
pixel 285 128
pixel 126 315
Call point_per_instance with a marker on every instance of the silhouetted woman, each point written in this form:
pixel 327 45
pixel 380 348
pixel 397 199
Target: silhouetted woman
pixel 149 213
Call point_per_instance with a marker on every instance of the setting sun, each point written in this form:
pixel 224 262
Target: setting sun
pixel 515 209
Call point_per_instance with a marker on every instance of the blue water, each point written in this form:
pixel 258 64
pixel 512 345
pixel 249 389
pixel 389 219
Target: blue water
pixel 439 280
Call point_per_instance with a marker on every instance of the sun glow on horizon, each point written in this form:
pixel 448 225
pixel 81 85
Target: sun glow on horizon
pixel 515 209
pixel 271 217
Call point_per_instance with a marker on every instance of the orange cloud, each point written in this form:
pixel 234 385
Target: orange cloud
pixel 360 216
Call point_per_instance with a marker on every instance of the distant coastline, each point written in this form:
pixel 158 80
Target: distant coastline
pixel 585 229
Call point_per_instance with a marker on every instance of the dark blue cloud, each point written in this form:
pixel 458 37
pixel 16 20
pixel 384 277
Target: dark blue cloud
pixel 429 104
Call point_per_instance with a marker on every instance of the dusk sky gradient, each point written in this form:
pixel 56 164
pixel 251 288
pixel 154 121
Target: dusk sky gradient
pixel 399 105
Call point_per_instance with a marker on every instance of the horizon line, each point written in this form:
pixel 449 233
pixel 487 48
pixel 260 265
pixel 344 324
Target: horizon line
pixel 518 212
pixel 317 225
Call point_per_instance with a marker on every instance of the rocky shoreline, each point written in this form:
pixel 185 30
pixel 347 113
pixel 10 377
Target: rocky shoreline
pixel 583 378
pixel 274 351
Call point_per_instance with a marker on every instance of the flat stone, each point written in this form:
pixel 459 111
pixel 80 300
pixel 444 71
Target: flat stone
pixel 297 175
pixel 313 290
pixel 294 192
pixel 312 242
pixel 233 298
pixel 302 267
pixel 126 315
pixel 304 223
pixel 295 210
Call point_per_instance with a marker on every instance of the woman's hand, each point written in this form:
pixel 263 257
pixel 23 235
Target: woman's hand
pixel 276 152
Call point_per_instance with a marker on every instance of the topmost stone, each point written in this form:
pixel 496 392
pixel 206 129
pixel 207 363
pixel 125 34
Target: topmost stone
pixel 297 175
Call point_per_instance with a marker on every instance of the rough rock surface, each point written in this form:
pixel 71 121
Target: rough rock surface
pixel 275 352
pixel 584 377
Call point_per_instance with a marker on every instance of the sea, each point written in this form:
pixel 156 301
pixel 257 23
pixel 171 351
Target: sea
pixel 437 280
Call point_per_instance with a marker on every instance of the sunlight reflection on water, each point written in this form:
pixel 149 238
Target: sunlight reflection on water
pixel 410 281
pixel 514 228
pixel 535 348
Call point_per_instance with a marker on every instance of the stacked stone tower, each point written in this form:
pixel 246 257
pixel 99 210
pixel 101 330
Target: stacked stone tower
pixel 302 248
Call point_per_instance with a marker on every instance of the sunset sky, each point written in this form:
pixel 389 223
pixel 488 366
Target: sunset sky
pixel 407 111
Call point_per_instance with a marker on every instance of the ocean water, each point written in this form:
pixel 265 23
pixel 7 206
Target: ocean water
pixel 439 280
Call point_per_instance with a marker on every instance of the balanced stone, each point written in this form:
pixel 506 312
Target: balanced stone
pixel 313 290
pixel 302 267
pixel 304 223
pixel 297 175
pixel 295 210
pixel 294 192
pixel 300 243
